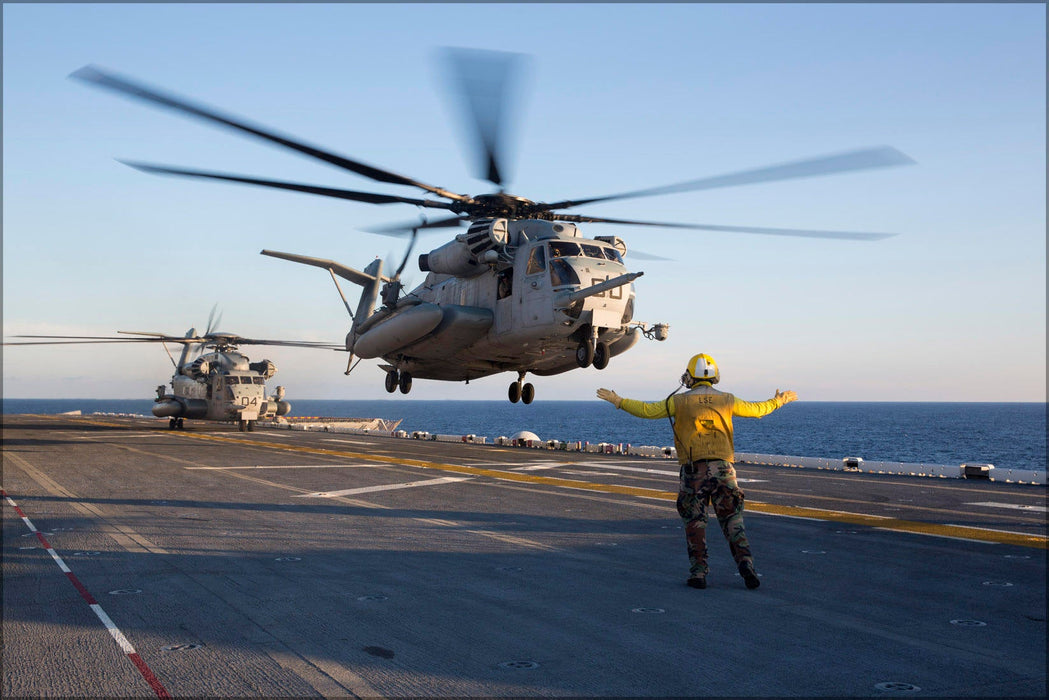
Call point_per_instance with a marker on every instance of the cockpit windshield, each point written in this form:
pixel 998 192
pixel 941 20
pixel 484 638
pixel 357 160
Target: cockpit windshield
pixel 564 249
pixel 571 249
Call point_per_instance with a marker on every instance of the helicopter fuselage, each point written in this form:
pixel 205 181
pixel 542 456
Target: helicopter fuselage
pixel 220 386
pixel 526 310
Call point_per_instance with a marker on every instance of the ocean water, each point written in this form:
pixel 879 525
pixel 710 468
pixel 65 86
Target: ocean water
pixel 1008 435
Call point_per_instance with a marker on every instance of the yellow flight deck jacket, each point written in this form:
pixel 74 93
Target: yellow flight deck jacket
pixel 703 420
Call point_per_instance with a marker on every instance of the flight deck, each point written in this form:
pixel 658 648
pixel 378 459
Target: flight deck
pixel 141 561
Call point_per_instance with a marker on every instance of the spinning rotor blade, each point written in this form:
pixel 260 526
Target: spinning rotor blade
pixel 803 233
pixel 406 229
pixel 96 76
pixel 485 80
pixel 843 162
pixel 338 193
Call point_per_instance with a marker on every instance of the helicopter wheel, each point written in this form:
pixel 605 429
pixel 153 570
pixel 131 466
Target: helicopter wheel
pixel 243 425
pixel 584 354
pixel 514 393
pixel 405 382
pixel 251 426
pixel 601 355
pixel 391 381
pixel 172 424
pixel 527 393
pixel 178 423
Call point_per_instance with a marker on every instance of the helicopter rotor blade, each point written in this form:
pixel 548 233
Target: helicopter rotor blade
pixel 85 339
pixel 802 233
pixel 338 193
pixel 405 229
pixel 864 159
pixel 105 79
pixel 485 81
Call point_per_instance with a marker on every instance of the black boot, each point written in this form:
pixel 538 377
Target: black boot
pixel 750 577
pixel 697 581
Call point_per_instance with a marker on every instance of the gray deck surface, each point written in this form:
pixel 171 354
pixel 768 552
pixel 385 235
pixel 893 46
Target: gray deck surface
pixel 497 574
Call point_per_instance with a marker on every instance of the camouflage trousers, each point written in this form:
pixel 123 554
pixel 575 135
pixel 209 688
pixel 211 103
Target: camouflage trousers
pixel 714 481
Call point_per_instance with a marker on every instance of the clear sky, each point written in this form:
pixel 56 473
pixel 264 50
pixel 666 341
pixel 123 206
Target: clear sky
pixel 617 97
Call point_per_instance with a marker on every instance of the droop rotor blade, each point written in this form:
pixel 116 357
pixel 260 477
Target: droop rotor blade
pixel 338 193
pixel 803 233
pixel 101 78
pixel 865 159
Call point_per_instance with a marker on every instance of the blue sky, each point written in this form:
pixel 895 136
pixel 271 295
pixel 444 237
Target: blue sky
pixel 616 98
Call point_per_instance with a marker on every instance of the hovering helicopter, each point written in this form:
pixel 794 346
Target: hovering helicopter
pixel 522 290
pixel 221 385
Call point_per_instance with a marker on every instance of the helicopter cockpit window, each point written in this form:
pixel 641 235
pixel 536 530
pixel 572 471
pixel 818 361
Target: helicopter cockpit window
pixel 258 380
pixel 536 260
pixel 564 249
pixel 232 380
pixel 561 273
pixel 613 254
pixel 592 251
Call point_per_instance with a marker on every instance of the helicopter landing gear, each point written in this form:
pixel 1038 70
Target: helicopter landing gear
pixel 584 353
pixel 243 425
pixel 405 382
pixel 391 381
pixel 601 355
pixel 175 424
pixel 520 391
pixel 251 426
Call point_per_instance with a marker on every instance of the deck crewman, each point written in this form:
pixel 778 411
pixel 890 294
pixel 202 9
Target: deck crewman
pixel 701 419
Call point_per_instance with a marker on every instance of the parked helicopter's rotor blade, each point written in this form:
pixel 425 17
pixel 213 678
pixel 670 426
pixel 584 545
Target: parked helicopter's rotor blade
pixel 338 193
pixel 319 345
pixel 80 340
pixel 211 321
pixel 803 233
pixel 865 159
pixel 101 78
pixel 485 81
pixel 405 229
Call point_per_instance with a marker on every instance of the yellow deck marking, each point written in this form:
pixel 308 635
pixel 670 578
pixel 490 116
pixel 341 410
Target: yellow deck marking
pixel 957 531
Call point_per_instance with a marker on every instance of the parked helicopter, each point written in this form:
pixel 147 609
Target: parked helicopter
pixel 221 385
pixel 521 290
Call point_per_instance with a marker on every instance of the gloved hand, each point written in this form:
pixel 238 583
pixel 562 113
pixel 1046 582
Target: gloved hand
pixel 610 396
pixel 785 397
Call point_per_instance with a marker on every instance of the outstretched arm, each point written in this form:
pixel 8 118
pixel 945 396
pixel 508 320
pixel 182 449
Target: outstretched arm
pixel 757 409
pixel 641 409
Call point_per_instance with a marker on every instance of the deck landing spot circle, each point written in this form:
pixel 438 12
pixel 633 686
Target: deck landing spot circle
pixel 969 623
pixel 518 665
pixel 897 687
